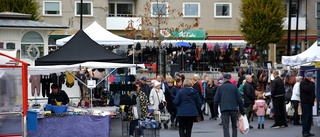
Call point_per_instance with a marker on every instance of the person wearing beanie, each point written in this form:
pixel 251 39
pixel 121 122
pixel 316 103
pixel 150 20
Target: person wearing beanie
pixel 307 97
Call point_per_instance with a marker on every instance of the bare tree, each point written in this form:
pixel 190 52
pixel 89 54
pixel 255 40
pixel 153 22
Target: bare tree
pixel 155 21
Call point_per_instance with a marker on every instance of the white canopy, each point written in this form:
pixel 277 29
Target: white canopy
pixel 309 55
pixel 99 35
pixel 46 70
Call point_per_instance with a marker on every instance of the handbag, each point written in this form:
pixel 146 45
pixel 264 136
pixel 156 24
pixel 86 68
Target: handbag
pixel 161 105
pixel 290 111
pixel 197 118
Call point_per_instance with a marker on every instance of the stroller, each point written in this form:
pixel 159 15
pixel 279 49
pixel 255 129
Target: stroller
pixel 161 116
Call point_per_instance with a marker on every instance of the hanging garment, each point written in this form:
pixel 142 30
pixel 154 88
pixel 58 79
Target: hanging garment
pixel 209 46
pixel 35 84
pixel 138 46
pixel 61 79
pixel 97 74
pixel 204 46
pixel 45 82
pixel 198 54
pixel 69 80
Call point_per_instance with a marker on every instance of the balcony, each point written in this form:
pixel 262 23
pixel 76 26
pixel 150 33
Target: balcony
pixel 301 25
pixel 121 21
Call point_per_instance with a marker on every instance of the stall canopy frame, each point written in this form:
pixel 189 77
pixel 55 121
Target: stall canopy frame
pixel 24 77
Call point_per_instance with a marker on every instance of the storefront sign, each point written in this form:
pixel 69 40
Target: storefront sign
pixel 186 34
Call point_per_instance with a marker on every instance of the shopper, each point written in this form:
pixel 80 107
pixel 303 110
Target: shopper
pixel 295 100
pixel 139 101
pixel 249 97
pixel 307 97
pixel 157 97
pixel 144 86
pixel 278 100
pixel 174 91
pixel 210 93
pixel 197 86
pixel 187 102
pixel 230 101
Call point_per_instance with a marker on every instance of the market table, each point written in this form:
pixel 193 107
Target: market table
pixel 68 126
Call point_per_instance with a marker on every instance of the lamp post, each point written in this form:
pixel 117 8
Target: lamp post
pixel 289 29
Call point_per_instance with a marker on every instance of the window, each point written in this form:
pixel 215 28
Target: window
pixel 52 8
pixel 293 9
pixel 222 10
pixel 191 9
pixel 317 9
pixel 1 45
pixel 87 9
pixel 121 10
pixel 32 46
pixel 159 9
pixel 11 45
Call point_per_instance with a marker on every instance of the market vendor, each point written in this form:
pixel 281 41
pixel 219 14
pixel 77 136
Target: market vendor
pixel 57 95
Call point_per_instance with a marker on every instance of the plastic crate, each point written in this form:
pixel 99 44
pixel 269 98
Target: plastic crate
pixel 60 109
pixel 32 120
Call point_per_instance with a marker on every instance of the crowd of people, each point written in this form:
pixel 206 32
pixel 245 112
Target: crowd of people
pixel 185 99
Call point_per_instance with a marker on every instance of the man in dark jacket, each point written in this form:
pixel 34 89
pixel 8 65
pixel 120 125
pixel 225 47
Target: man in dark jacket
pixel 230 101
pixel 144 86
pixel 278 100
pixel 307 97
pixel 249 97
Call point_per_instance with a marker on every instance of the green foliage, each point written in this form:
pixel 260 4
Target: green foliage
pixel 21 6
pixel 262 21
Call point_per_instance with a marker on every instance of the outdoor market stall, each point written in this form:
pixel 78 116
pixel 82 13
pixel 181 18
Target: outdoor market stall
pixel 13 97
pixel 99 123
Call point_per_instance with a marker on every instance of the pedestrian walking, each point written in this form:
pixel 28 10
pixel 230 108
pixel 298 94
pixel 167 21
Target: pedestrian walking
pixel 210 93
pixel 230 101
pixel 138 103
pixel 174 91
pixel 187 102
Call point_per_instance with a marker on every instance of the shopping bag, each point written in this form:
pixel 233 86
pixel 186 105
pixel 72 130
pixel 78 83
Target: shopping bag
pixel 243 124
pixel 206 109
pixel 290 111
pixel 299 109
pixel 135 112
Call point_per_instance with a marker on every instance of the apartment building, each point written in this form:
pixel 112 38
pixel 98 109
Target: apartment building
pixel 218 19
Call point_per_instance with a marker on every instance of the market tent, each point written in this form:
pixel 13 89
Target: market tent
pixel 100 35
pixel 80 49
pixel 309 55
pixel 46 70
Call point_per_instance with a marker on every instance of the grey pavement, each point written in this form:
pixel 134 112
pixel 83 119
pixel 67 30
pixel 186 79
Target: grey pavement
pixel 211 128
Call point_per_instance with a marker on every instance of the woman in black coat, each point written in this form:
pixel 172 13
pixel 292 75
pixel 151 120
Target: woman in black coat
pixel 210 92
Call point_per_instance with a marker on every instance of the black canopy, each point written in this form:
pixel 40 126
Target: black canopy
pixel 80 48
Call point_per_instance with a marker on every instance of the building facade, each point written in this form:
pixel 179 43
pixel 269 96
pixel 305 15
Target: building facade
pixel 217 18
